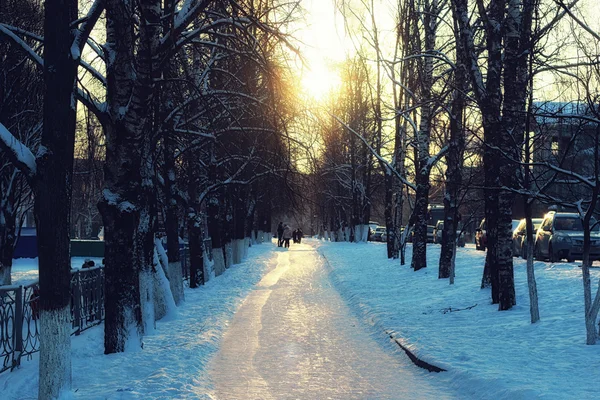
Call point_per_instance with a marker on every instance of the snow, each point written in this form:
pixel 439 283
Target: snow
pixel 501 352
pixel 488 354
pixel 173 361
pixel 20 151
pixel 25 270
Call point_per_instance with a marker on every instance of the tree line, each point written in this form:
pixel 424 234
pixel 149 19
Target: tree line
pixel 183 105
pixel 491 107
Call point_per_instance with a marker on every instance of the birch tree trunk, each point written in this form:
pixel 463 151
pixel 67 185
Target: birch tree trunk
pixel 454 162
pixel 423 163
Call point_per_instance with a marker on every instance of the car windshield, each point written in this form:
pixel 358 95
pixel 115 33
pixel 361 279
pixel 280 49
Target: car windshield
pixel 380 230
pixel 536 222
pixel 571 224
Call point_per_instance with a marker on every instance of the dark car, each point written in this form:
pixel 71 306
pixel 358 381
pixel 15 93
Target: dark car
pixel 481 236
pixel 561 236
pixel 430 229
pixel 520 236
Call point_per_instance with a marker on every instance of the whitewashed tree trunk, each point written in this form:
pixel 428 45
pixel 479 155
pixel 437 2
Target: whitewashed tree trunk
pixel 147 300
pixel 219 261
pixel 174 273
pixel 209 267
pixel 229 253
pixel 247 243
pixel 55 353
pixel 163 299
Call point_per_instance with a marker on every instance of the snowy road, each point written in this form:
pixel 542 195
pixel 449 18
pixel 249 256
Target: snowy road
pixel 294 337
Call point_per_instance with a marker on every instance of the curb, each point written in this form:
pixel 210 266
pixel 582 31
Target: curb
pixel 415 360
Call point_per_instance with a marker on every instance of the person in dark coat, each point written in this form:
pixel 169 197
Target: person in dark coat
pixel 287 235
pixel 299 235
pixel 280 234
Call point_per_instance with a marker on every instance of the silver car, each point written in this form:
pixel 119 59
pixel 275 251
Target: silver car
pixel 561 236
pixel 520 236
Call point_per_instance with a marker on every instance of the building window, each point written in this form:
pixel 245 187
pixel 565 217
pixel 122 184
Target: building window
pixel 554 146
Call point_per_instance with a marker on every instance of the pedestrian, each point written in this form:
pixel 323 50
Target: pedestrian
pixel 295 236
pixel 287 235
pixel 280 234
pixel 299 235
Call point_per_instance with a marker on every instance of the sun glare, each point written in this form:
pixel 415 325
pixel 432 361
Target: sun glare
pixel 319 82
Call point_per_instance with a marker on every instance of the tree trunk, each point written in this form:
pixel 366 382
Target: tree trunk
pixel 454 161
pixel 8 240
pixel 172 219
pixel 52 190
pixel 130 76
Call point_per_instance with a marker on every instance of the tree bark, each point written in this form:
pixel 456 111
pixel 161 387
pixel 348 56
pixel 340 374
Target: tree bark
pixel 52 191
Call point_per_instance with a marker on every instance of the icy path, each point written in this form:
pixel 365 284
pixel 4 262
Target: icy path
pixel 294 338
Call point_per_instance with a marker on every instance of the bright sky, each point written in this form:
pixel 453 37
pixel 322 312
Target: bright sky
pixel 322 33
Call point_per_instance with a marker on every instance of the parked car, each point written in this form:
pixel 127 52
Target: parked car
pixel 481 236
pixel 380 234
pixel 430 229
pixel 561 236
pixel 437 234
pixel 520 236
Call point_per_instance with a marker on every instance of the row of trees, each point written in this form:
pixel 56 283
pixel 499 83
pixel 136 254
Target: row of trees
pixel 460 92
pixel 190 100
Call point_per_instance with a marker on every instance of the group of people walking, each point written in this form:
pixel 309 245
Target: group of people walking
pixel 285 233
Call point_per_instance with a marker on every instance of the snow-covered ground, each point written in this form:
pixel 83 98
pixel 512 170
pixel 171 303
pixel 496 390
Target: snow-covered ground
pixel 175 355
pixel 488 354
pixel 25 270
pixel 498 354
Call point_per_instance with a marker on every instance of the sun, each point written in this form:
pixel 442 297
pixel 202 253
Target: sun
pixel 319 81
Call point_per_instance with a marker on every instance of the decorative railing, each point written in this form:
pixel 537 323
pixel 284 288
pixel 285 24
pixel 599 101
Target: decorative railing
pixel 19 314
pixel 19 310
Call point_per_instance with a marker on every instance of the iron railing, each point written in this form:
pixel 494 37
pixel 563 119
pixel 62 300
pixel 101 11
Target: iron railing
pixel 19 314
pixel 19 310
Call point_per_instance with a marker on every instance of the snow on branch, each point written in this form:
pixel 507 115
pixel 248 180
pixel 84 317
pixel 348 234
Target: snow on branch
pixel 30 52
pixel 19 154
pixel 88 23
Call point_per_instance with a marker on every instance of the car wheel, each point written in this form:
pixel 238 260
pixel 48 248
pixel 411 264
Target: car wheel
pixel 537 254
pixel 551 256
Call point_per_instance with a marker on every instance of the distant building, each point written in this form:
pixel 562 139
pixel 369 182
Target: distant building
pixel 563 136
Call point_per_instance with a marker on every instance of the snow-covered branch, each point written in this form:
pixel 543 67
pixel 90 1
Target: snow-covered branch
pixel 17 152
pixel 30 52
pixel 82 34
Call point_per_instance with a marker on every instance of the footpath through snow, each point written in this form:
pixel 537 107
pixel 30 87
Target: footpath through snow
pixel 273 327
pixel 497 355
pixel 295 338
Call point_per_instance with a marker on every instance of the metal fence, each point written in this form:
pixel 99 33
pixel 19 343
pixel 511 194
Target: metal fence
pixel 19 314
pixel 19 309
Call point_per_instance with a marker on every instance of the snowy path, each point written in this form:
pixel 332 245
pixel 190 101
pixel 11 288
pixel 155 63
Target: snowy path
pixel 294 337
